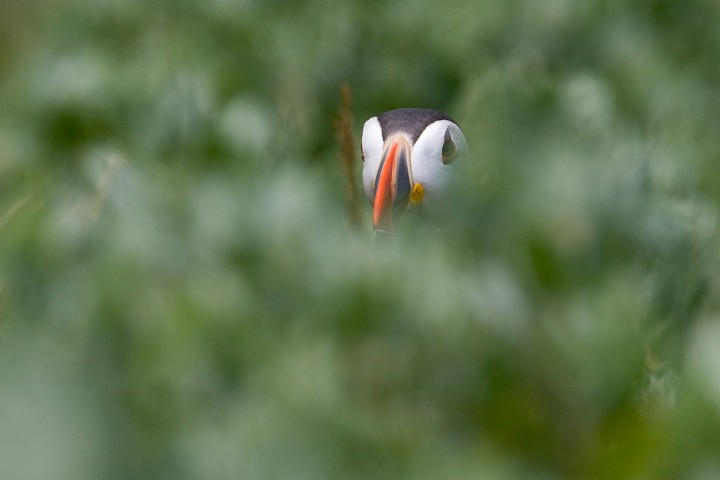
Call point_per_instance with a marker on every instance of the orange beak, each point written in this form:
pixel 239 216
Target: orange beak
pixel 393 182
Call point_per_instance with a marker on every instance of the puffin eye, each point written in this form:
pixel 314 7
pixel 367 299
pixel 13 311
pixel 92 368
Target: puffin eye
pixel 449 150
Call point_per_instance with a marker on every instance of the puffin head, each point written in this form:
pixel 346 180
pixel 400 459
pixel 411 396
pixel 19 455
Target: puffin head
pixel 407 160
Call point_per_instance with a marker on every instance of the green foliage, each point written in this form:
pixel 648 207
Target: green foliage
pixel 182 294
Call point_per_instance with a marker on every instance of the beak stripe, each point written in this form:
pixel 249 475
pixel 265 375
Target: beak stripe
pixel 402 184
pixel 384 191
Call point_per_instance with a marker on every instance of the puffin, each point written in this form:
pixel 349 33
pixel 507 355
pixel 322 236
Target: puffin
pixel 408 156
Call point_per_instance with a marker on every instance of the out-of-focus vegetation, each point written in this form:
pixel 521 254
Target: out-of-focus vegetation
pixel 183 296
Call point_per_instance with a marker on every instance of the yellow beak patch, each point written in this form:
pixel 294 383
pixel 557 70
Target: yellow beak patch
pixel 417 193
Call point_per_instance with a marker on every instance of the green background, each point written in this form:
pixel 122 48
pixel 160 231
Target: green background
pixel 184 296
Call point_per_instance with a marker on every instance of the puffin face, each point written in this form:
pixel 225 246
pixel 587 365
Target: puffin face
pixel 407 156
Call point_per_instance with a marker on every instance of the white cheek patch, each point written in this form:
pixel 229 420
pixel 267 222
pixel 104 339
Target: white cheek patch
pixel 428 167
pixel 372 145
